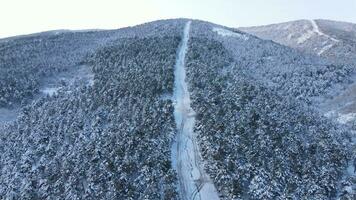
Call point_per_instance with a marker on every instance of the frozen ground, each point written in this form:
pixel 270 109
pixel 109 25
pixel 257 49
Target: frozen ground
pixel 194 183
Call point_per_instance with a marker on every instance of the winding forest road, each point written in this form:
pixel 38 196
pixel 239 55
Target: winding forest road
pixel 194 183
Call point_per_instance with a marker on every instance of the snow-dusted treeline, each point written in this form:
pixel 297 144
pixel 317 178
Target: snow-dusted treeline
pixel 24 62
pixel 286 70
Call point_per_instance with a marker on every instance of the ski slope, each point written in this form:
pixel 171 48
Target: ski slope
pixel 318 32
pixel 194 183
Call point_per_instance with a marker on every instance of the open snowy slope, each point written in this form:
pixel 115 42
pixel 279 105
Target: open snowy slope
pixel 330 39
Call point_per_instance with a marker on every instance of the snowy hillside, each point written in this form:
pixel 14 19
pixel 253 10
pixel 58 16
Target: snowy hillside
pixel 334 41
pixel 330 39
pixel 172 109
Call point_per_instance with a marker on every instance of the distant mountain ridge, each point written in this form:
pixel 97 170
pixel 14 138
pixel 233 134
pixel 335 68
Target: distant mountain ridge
pixel 330 39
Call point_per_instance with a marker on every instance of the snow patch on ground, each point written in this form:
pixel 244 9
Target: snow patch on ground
pixel 67 81
pixel 50 90
pixel 194 183
pixel 351 170
pixel 341 118
pixel 165 96
pixel 227 33
pixel 8 115
pixel 79 76
pixel 325 48
pixel 345 118
pixel 306 36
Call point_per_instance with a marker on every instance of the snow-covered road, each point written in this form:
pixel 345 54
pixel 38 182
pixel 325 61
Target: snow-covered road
pixel 194 183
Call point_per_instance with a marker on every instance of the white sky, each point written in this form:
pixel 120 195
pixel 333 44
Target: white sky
pixel 29 16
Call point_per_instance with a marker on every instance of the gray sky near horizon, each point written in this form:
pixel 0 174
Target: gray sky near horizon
pixel 19 17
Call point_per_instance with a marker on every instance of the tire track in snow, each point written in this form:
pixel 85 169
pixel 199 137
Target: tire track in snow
pixel 194 183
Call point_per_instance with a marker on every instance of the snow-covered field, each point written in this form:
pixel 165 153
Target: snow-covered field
pixel 194 183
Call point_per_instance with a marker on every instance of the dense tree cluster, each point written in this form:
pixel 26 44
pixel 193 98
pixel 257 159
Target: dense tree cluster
pixel 257 143
pixel 25 61
pixel 287 71
pixel 108 141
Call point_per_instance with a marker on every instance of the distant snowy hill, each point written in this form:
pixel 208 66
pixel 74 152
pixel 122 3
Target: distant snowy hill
pixel 174 109
pixel 332 39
